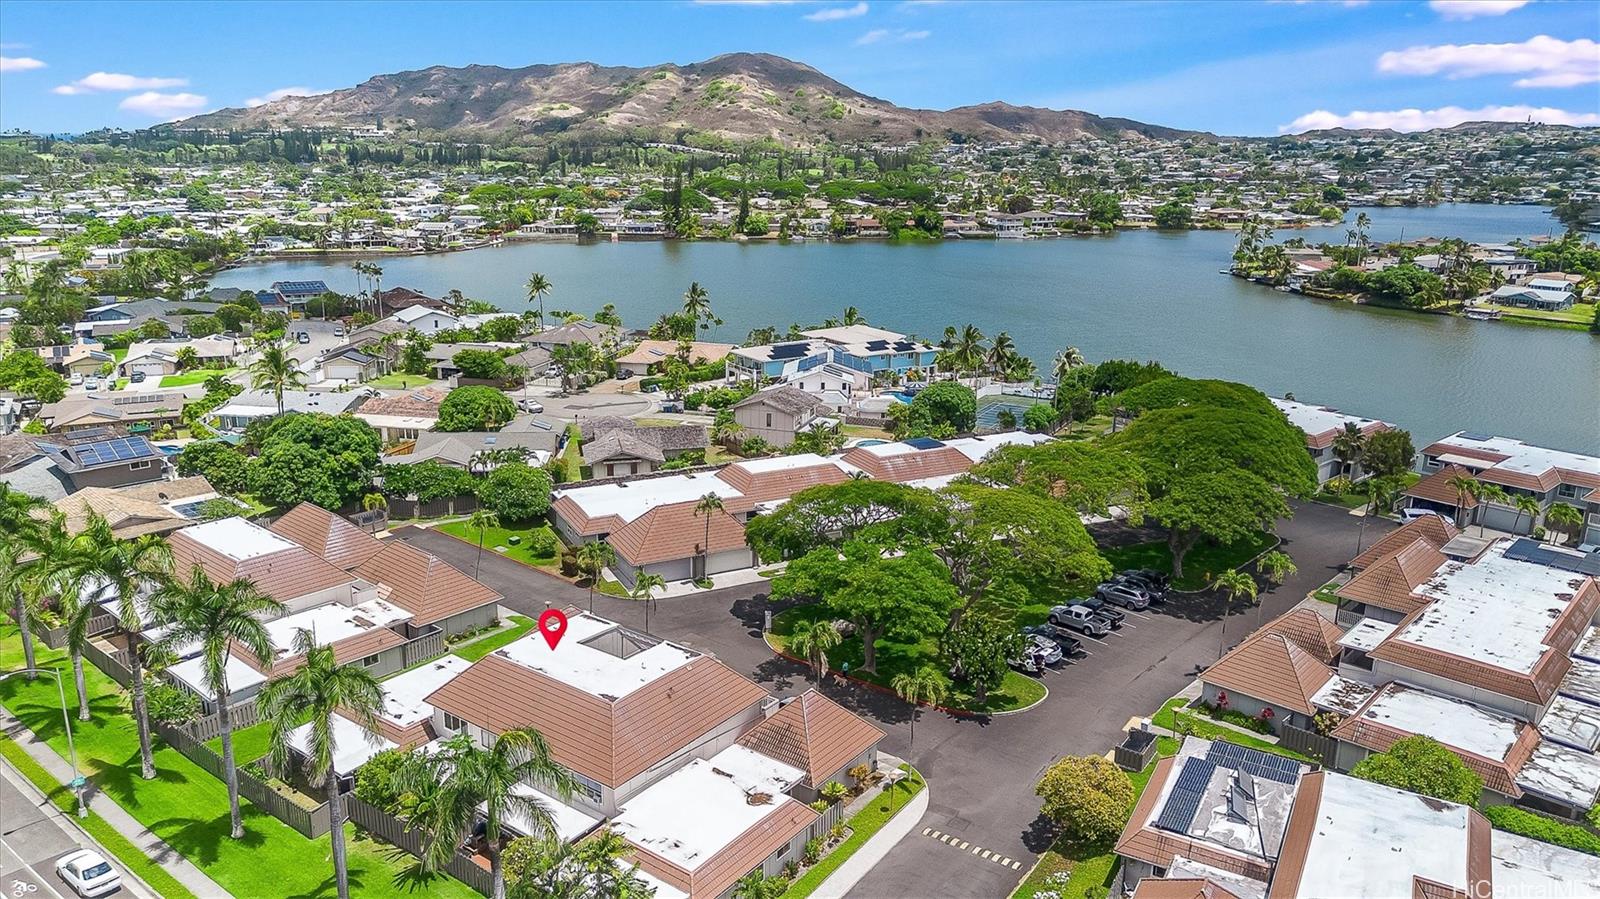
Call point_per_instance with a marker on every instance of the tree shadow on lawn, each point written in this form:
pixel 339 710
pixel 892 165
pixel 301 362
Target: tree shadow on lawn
pixel 410 876
pixel 200 839
pixel 330 884
pixel 121 781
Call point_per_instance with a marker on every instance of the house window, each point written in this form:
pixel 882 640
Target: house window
pixel 769 419
pixel 369 661
pixel 452 723
pixel 590 789
pixel 138 466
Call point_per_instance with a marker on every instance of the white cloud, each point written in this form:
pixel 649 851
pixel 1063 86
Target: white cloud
pixel 1472 9
pixel 835 13
pixel 879 35
pixel 282 92
pixel 19 63
pixel 164 106
pixel 116 82
pixel 1443 117
pixel 1548 61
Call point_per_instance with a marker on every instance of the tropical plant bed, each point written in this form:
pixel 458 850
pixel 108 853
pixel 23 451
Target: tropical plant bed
pixel 187 807
pixel 1174 717
pixel 1017 691
pixel 1070 869
pixel 1200 565
pixel 477 649
pixel 1325 593
pixel 859 829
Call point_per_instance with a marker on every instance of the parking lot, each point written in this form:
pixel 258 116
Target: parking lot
pixel 981 770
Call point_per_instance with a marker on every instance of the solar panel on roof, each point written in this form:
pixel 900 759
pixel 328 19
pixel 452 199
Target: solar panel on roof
pixel 1254 762
pixel 877 344
pixel 1183 802
pixel 789 351
pixel 1527 550
pixel 924 443
pixel 903 346
pixel 1464 435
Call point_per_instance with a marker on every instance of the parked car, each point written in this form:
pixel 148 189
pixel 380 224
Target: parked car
pixel 533 406
pixel 1037 653
pixel 338 330
pixel 1123 594
pixel 1413 513
pixel 91 383
pixel 1156 583
pixel 76 380
pixel 624 375
pixel 1081 619
pixel 672 406
pixel 303 337
pixel 1113 616
pixel 88 873
pixel 1070 645
pixel 137 377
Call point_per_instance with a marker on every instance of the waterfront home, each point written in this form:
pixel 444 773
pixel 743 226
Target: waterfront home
pixel 777 414
pixel 860 347
pixel 832 384
pixel 1520 469
pixel 648 357
pixel 395 299
pixel 424 319
pixel 576 332
pixel 1322 426
pixel 291 296
pixel 1546 295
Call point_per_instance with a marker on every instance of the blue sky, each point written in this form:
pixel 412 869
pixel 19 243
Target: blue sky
pixel 1228 67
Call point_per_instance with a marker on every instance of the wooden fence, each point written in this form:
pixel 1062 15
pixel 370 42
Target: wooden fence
pixel 309 822
pixel 210 727
pixel 424 648
pixel 392 830
pixel 110 663
pixel 56 637
pixel 1307 743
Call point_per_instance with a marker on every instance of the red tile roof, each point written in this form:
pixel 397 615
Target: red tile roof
pixel 915 465
pixel 1269 667
pixel 330 536
pixel 1436 488
pixel 676 531
pixel 1392 581
pixel 430 588
pixel 815 734
pixel 284 575
pixel 1435 529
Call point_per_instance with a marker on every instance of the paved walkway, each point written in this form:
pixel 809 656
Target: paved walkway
pixel 845 877
pixel 152 846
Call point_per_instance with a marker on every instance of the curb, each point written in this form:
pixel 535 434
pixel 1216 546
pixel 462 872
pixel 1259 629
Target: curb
pixel 960 713
pixel 919 803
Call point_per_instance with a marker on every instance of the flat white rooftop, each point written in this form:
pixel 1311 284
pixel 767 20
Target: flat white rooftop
pixel 353 745
pixel 571 823
pixel 975 448
pixel 237 538
pixel 1573 722
pixel 783 463
pixel 698 810
pixel 630 499
pixel 1358 853
pixel 1451 721
pixel 1560 773
pixel 240 675
pixel 333 622
pixel 1495 610
pixel 1524 457
pixel 1367 634
pixel 1526 867
pixel 1342 695
pixel 1317 419
pixel 404 694
pixel 593 670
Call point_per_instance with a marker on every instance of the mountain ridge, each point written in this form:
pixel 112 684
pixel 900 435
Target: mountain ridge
pixel 736 96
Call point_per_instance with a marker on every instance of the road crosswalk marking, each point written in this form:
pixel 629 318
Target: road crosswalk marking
pixel 985 854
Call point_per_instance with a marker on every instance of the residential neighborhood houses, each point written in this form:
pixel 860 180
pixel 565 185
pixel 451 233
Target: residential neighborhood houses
pixel 407 497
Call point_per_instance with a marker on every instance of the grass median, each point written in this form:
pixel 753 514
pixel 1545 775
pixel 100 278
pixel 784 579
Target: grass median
pixel 863 826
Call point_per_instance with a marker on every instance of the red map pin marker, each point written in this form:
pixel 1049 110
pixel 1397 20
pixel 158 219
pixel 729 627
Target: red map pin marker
pixel 553 625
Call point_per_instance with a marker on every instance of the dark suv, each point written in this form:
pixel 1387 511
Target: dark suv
pixel 1156 584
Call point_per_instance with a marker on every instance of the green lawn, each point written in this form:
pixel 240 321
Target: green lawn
pixel 398 381
pixel 573 455
pixel 188 808
pixel 481 647
pixel 198 376
pixel 119 354
pixel 1073 869
pixel 866 822
pixel 494 538
pixel 1201 564
pixel 1172 718
pixel 894 657
pixel 1325 594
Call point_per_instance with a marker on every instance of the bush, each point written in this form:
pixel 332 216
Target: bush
pixel 1088 797
pixel 1423 765
pixel 1234 716
pixel 171 705
pixel 948 403
pixel 375 780
pixel 225 467
pixel 516 492
pixel 482 365
pixel 569 564
pixel 812 852
pixel 542 543
pixel 1538 827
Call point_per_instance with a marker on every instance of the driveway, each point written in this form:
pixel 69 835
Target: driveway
pixel 981 770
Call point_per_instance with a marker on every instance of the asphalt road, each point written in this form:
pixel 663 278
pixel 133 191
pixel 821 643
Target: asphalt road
pixel 981 770
pixel 32 836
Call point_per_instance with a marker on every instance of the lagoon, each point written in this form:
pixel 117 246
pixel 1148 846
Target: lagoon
pixel 1137 294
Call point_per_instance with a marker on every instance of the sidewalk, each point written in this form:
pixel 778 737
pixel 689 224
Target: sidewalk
pixel 847 875
pixel 152 845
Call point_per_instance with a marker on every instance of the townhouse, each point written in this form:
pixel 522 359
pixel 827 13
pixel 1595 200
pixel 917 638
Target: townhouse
pixel 699 769
pixel 383 605
pixel 1323 426
pixel 1522 470
pixel 1219 820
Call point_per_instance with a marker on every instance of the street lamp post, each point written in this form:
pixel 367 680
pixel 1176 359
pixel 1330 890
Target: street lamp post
pixel 78 780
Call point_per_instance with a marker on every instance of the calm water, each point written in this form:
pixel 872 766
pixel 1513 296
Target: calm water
pixel 1141 295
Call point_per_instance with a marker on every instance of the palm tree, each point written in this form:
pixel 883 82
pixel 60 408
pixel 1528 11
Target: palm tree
pixel 594 868
pixel 1277 566
pixel 215 617
pixel 707 506
pixel 1065 361
pixel 593 557
pixel 276 371
pixel 726 433
pixel 925 684
pixel 538 286
pixel 1526 505
pixel 481 521
pixel 1348 446
pixel 852 316
pixel 1564 518
pixel 697 304
pixel 97 559
pixel 1465 485
pixel 1002 350
pixel 644 585
pixel 19 517
pixel 813 639
pixel 1234 584
pixel 1491 493
pixel 464 780
pixel 316 691
pixel 968 352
